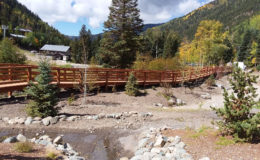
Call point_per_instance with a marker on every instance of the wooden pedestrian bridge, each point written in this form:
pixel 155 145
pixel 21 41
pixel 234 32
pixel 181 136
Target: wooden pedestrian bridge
pixel 15 77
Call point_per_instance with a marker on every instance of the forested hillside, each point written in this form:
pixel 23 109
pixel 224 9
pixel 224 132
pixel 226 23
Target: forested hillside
pixel 15 15
pixel 228 12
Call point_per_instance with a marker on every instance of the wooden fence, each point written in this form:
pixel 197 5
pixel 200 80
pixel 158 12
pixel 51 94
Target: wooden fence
pixel 15 77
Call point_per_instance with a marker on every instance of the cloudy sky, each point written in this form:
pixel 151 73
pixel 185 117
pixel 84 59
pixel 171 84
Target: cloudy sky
pixel 69 15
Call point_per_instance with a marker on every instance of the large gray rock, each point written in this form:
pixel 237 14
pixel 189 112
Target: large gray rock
pixel 21 138
pixel 20 120
pixel 10 140
pixel 28 121
pixel 54 120
pixel 37 119
pixel 37 122
pixel 46 121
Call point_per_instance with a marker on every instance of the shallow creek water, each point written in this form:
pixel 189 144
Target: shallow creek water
pixel 99 145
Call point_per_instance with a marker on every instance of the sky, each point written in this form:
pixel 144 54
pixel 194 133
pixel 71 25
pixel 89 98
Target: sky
pixel 68 16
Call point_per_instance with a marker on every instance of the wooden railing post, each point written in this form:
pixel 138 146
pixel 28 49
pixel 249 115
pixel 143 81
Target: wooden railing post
pixel 74 76
pixel 58 76
pixel 107 74
pixel 29 74
pixel 65 74
pixel 10 75
pixel 160 77
pixel 145 78
pixel 173 78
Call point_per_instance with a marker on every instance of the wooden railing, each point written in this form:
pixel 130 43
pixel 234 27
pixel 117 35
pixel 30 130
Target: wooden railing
pixel 16 77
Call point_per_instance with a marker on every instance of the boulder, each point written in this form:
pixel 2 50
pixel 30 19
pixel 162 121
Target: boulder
pixel 37 122
pixel 54 120
pixel 20 120
pixel 10 140
pixel 21 138
pixel 28 121
pixel 160 142
pixel 46 121
pixel 37 119
pixel 71 118
pixel 58 140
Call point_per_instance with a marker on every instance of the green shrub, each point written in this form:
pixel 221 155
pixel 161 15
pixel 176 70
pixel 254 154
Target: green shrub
pixel 236 117
pixel 258 68
pixel 71 99
pixel 51 156
pixel 8 53
pixel 211 81
pixel 42 95
pixel 132 86
pixel 23 147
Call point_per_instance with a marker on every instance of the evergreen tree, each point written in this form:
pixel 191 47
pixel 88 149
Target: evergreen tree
pixel 237 118
pixel 245 47
pixel 258 52
pixel 119 44
pixel 228 55
pixel 76 53
pixel 8 53
pixel 171 45
pixel 85 40
pixel 132 86
pixel 42 94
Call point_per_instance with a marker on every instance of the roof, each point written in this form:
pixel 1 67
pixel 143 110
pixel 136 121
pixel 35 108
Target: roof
pixel 18 36
pixel 57 48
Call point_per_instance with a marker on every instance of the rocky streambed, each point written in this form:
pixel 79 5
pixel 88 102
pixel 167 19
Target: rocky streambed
pixel 92 145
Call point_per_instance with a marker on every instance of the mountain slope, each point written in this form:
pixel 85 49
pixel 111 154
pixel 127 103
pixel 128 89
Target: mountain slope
pixel 16 15
pixel 228 12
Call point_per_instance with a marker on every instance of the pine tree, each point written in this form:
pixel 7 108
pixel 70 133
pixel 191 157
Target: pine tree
pixel 237 118
pixel 119 44
pixel 85 41
pixel 131 86
pixel 8 53
pixel 171 45
pixel 76 53
pixel 42 94
pixel 244 47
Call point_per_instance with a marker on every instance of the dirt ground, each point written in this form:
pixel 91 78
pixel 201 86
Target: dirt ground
pixel 194 114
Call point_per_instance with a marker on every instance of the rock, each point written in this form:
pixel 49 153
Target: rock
pixel 21 138
pixel 159 141
pixel 142 143
pixel 33 140
pixel 205 158
pixel 71 118
pixel 101 115
pixel 20 120
pixel 45 142
pixel 10 140
pixel 58 140
pixel 133 113
pixel 158 105
pixel 124 158
pixel 170 156
pixel 180 145
pixel 138 157
pixel 179 102
pixel 37 119
pixel 28 121
pixel 46 121
pixel 45 137
pixel 95 117
pixel 11 121
pixel 171 102
pixel 206 96
pixel 5 119
pixel 76 158
pixel 155 150
pixel 54 120
pixel 141 151
pixel 36 122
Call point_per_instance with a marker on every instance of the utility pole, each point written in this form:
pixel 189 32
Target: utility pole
pixel 4 27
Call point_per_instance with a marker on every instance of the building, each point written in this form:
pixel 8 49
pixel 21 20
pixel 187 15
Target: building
pixel 56 52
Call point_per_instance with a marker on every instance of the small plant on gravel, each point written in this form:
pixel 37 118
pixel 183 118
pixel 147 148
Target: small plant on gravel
pixel 237 120
pixel 71 99
pixel 211 81
pixel 23 147
pixel 154 88
pixel 51 156
pixel 43 95
pixel 167 93
pixel 132 86
pixel 224 141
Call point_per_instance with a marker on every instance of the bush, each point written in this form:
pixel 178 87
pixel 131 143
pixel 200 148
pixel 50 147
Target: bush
pixel 236 117
pixel 211 81
pixel 23 147
pixel 132 86
pixel 8 53
pixel 71 99
pixel 42 94
pixel 258 68
pixel 51 156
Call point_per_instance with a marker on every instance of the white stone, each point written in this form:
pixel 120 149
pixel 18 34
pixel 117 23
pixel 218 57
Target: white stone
pixel 155 150
pixel 37 119
pixel 5 119
pixel 58 140
pixel 36 122
pixel 205 158
pixel 11 121
pixel 124 158
pixel 21 138
pixel 46 121
pixel 143 142
pixel 28 121
pixel 159 141
pixel 54 120
pixel 71 118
